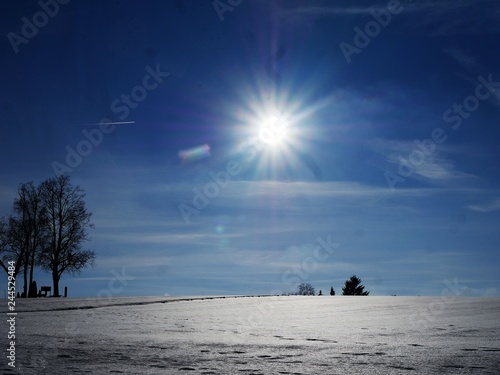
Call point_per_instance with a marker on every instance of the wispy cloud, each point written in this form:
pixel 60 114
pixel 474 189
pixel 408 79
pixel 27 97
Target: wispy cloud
pixel 444 18
pixel 327 10
pixel 443 171
pixel 481 291
pixel 432 17
pixel 436 7
pixel 461 58
pixel 437 167
pixel 493 205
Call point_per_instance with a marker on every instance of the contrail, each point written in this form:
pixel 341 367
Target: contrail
pixel 112 123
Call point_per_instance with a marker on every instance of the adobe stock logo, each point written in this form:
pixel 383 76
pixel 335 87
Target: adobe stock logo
pixel 300 272
pixel 372 29
pixel 248 150
pixel 221 7
pixel 29 29
pixel 122 106
pixel 201 198
pixel 292 277
pixel 421 154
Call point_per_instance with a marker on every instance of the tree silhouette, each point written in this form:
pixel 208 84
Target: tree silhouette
pixel 332 292
pixel 353 287
pixel 67 222
pixel 320 293
pixel 11 248
pixel 29 221
pixel 46 229
pixel 305 289
pixel 21 234
pixel 33 291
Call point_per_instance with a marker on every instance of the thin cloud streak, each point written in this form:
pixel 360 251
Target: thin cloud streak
pixel 322 11
pixel 439 7
pixel 491 206
pixel 440 18
pixel 437 169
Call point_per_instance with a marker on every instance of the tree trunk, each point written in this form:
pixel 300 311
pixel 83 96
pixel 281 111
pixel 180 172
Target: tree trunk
pixel 25 275
pixel 55 281
pixel 32 266
pixel 25 287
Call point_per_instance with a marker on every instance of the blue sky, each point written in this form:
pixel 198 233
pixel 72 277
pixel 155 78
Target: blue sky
pixel 389 150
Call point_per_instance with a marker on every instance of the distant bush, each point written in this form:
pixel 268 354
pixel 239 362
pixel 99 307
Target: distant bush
pixel 305 289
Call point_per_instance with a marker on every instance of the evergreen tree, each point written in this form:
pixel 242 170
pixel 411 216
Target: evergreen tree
pixel 353 287
pixel 332 292
pixel 320 293
pixel 33 291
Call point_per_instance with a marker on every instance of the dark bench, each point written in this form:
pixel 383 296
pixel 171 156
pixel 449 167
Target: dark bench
pixel 44 290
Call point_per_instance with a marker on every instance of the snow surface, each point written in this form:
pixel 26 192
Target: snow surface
pixel 258 335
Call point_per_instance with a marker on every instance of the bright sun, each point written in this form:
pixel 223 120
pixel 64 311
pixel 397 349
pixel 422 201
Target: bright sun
pixel 276 129
pixel 273 130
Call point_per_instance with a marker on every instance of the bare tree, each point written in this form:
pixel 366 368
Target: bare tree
pixel 67 222
pixel 30 221
pixel 16 234
pixel 305 289
pixel 9 249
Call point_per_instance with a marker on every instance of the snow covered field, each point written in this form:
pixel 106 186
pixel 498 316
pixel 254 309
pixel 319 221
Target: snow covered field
pixel 258 335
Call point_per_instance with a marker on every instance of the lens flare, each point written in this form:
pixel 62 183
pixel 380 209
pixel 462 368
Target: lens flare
pixel 195 153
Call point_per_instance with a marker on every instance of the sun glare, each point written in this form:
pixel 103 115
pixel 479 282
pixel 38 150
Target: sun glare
pixel 273 131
